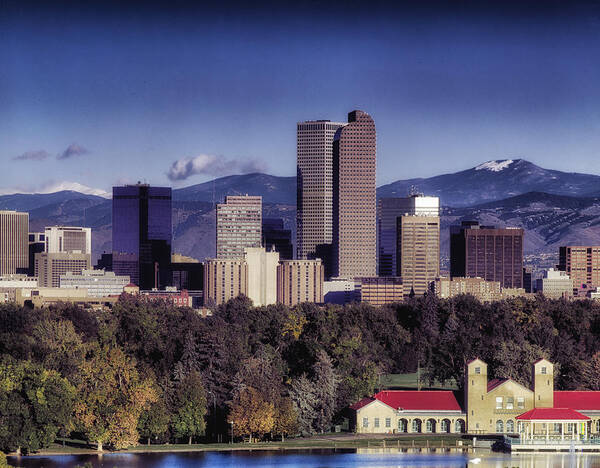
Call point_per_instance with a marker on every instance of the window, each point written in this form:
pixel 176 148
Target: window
pixel 509 403
pixel 388 422
pixel 402 426
pixel 499 426
pixel 543 371
pixel 499 402
pixel 376 422
pixel 416 425
pixel 478 370
pixel 520 402
pixel 557 428
pixel 365 422
pixel 430 426
pixel 510 426
pixel 598 425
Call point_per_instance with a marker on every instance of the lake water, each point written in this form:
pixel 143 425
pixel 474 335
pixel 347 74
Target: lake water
pixel 373 458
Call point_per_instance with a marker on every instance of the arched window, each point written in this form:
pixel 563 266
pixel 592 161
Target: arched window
pixel 445 425
pixel 402 425
pixel 510 426
pixel 499 426
pixel 459 426
pixel 416 425
pixel 430 425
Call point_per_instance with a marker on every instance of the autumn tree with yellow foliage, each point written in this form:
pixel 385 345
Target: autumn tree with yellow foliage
pixel 251 414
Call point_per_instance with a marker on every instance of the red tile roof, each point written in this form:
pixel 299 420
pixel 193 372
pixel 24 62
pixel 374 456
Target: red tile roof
pixel 434 400
pixel 552 414
pixel 364 402
pixel 492 384
pixel 577 400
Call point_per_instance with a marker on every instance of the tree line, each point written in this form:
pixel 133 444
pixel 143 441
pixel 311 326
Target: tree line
pixel 148 372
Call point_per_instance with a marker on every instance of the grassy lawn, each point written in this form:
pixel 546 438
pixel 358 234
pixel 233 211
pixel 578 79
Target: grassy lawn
pixel 325 441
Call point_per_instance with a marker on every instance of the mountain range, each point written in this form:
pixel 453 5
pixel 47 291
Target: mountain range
pixel 553 207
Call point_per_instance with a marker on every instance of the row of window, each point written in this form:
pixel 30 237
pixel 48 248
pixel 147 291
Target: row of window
pixel 417 424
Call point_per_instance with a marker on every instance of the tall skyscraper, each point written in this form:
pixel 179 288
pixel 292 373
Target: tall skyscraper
pixel 141 232
pixel 494 254
pixel 418 252
pixel 314 218
pixel 238 225
pixel 354 198
pixel 388 212
pixel 14 242
pixel 68 239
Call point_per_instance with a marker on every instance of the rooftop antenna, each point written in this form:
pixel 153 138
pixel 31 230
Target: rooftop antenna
pixel 413 191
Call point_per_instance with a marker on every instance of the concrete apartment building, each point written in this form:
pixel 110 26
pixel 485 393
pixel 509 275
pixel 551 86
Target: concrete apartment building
pixel 239 222
pixel 68 239
pixel 388 212
pixel 496 406
pixel 354 198
pixel 582 264
pixel 380 290
pixel 97 283
pixel 49 267
pixel 555 284
pixel 262 275
pixel 495 254
pixel 314 218
pixel 224 279
pixel 14 247
pixel 482 290
pixel 300 281
pixel 418 252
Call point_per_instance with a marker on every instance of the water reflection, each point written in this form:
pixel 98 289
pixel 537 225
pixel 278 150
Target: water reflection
pixel 368 458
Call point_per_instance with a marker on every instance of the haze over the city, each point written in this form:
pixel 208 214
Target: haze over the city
pixel 101 95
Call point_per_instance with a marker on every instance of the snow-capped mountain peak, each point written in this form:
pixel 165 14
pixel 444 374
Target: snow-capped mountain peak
pixel 495 166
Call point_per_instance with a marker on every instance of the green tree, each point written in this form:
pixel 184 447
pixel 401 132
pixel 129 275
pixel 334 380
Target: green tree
pixel 303 396
pixel 189 408
pixel 35 403
pixel 111 398
pixel 325 384
pixel 154 421
pixel 58 346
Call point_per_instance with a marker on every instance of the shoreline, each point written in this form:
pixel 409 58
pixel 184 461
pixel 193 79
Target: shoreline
pixel 345 443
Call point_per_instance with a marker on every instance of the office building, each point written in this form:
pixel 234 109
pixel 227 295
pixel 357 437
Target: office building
pixel 418 252
pixel 37 244
pixel 97 283
pixel 340 291
pixel 262 275
pixel 381 290
pixel 582 264
pixel 238 225
pixel 388 212
pixel 179 298
pixel 224 279
pixel 555 284
pixel 527 285
pixel 494 254
pixel 68 239
pixel 49 267
pixel 10 283
pixel 276 237
pixel 141 233
pixel 14 249
pixel 314 216
pixel 354 198
pixel 187 273
pixel 482 290
pixel 43 297
pixel 300 281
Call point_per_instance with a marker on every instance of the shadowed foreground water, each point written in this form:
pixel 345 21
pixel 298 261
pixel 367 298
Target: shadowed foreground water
pixel 313 459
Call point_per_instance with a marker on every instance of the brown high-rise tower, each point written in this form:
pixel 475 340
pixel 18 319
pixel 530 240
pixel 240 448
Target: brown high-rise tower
pixel 354 198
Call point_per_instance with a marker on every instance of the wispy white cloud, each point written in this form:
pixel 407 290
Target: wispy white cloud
pixel 73 150
pixel 38 155
pixel 210 164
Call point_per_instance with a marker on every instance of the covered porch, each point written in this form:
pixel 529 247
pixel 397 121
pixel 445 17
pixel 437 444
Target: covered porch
pixel 553 429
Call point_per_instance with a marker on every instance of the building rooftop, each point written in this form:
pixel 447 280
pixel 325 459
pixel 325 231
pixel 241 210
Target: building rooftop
pixel 426 400
pixel 547 414
pixel 579 400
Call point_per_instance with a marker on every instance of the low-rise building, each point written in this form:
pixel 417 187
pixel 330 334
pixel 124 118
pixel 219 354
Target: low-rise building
pixel 482 290
pixel 555 284
pixel 10 283
pixel 224 279
pixel 98 283
pixel 50 266
pixel 41 297
pixel 339 291
pixel 380 290
pixel 179 298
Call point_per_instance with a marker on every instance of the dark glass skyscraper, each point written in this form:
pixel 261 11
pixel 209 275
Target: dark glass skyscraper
pixel 141 232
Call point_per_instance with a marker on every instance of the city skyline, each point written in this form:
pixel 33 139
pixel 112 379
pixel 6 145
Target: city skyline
pixel 449 88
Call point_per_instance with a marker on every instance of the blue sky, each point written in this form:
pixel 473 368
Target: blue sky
pixel 107 95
